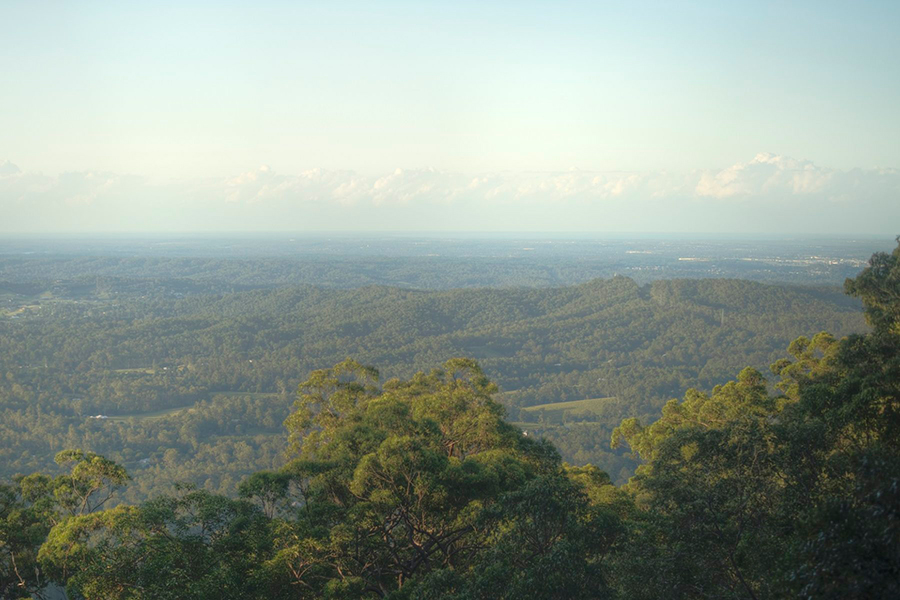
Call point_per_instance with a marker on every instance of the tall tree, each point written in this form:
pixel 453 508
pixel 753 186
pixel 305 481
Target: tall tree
pixel 194 545
pixel 413 484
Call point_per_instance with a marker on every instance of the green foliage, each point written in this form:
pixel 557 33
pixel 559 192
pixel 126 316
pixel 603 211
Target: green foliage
pixel 34 504
pixel 746 495
pixel 25 517
pixel 419 489
pixel 405 485
pixel 328 397
pixel 268 488
pixel 710 476
pixel 547 541
pixel 209 376
pixel 91 482
pixel 392 491
pixel 878 286
pixel 191 546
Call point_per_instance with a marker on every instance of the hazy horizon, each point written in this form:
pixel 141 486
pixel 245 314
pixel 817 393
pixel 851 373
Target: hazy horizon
pixel 215 117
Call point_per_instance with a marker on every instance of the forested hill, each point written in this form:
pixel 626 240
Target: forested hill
pixel 197 384
pixel 417 487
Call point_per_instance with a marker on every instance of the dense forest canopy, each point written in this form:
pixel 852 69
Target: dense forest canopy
pixel 417 487
pixel 194 385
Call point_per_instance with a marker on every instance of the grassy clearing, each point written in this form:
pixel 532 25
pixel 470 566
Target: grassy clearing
pixel 168 412
pixel 486 352
pixel 21 310
pixel 244 394
pixel 575 407
pixel 150 416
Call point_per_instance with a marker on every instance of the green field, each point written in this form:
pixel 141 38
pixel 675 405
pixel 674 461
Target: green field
pixel 149 416
pixel 486 352
pixel 244 394
pixel 160 414
pixel 21 310
pixel 554 411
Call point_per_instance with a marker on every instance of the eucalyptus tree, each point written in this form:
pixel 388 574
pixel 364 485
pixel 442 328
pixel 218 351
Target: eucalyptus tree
pixel 420 483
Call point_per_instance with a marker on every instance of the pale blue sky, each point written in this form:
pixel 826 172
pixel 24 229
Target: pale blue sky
pixel 187 96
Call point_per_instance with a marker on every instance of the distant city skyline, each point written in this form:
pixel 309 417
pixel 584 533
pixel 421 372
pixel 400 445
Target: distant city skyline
pixel 651 116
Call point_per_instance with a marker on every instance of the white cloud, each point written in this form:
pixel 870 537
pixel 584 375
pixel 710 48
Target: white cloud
pixel 771 175
pixel 779 186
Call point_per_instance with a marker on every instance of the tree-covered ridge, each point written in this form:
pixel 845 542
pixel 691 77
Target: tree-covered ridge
pixel 417 488
pixel 196 387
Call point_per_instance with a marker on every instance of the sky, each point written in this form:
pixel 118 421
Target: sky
pixel 753 117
